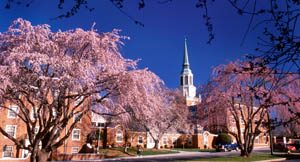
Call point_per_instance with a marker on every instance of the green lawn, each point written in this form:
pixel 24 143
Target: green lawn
pixel 253 157
pixel 194 150
pixel 132 151
pixel 157 152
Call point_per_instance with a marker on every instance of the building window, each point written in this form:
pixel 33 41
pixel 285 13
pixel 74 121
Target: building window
pixel 13 111
pixel 241 120
pixel 181 80
pixel 75 150
pixel 77 116
pixel 98 124
pixel 76 134
pixel 186 80
pixel 11 130
pixel 36 130
pixel 165 142
pixel 8 151
pixel 78 100
pixel 140 140
pixel 33 114
pixel 119 136
pixel 190 141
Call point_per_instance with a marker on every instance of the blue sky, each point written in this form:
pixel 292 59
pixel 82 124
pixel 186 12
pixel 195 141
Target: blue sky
pixel 159 44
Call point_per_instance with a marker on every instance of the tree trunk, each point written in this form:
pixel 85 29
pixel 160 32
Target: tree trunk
pixel 18 152
pixel 39 156
pixel 156 144
pixel 104 144
pixel 270 134
pixel 245 153
pixel 33 155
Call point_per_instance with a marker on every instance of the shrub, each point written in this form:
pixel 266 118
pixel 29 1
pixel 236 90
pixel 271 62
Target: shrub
pixel 223 138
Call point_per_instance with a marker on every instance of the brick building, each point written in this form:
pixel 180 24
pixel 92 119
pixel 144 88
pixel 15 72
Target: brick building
pixel 223 121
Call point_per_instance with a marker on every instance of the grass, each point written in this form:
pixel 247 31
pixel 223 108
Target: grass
pixel 194 150
pixel 253 157
pixel 157 152
pixel 132 151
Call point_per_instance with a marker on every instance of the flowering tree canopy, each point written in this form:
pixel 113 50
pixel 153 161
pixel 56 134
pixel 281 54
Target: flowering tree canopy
pixel 245 93
pixel 53 75
pixel 153 107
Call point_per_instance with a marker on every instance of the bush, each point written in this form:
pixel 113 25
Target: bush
pixel 223 138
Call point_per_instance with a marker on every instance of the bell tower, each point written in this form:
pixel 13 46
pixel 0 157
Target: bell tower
pixel 186 79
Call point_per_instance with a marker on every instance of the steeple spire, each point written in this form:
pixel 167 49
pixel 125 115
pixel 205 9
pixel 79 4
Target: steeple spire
pixel 186 64
pixel 186 79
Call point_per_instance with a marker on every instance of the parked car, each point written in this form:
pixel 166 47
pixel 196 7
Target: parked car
pixel 297 145
pixel 290 148
pixel 281 147
pixel 293 146
pixel 227 147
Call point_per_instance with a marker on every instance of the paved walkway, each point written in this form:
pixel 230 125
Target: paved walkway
pixel 168 157
pixel 182 155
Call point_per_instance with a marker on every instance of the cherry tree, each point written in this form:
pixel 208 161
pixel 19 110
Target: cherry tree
pixel 239 95
pixel 48 78
pixel 287 116
pixel 153 107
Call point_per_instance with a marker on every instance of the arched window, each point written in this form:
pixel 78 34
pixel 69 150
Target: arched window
pixel 181 80
pixel 186 80
pixel 119 136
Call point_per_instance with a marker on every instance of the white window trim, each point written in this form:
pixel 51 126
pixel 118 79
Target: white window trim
pixel 139 140
pixel 73 139
pixel 15 135
pixel 12 150
pixel 36 129
pixel 119 134
pixel 11 108
pixel 24 152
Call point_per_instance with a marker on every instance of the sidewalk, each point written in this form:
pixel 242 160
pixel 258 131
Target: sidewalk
pixel 180 153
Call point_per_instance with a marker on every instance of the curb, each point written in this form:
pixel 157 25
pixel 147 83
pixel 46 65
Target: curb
pixel 280 159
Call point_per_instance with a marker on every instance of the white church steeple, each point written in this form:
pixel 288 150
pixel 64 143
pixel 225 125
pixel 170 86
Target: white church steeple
pixel 186 78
